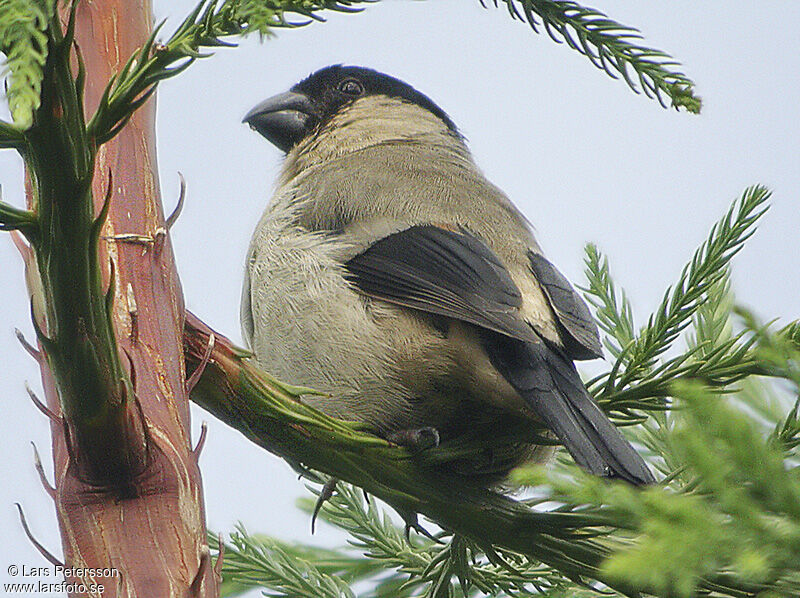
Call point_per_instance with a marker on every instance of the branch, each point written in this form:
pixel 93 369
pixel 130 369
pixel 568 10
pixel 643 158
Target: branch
pixel 11 136
pixel 613 311
pixel 605 42
pixel 106 432
pixel 425 561
pixel 740 514
pixel 12 218
pixel 708 265
pixel 609 46
pixel 415 563
pixel 269 414
pixel 291 570
pixel 262 15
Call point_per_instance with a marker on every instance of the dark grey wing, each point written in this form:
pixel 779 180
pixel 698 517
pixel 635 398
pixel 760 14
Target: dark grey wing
pixel 442 272
pixel 579 331
pixel 456 275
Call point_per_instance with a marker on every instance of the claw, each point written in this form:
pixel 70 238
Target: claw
pixel 324 496
pixel 412 522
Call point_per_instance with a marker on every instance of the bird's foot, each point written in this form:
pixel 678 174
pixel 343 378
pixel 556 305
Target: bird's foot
pixel 415 439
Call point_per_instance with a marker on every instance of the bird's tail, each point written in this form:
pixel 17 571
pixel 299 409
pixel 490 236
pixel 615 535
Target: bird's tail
pixel 549 383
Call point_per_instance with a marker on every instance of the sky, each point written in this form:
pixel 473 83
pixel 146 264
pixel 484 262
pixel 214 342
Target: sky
pixel 583 157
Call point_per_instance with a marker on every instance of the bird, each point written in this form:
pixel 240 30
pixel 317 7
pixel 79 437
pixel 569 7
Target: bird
pixel 389 274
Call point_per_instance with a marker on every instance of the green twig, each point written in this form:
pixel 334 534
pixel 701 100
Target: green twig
pixel 24 41
pixel 11 136
pixel 423 561
pixel 287 569
pixel 611 47
pixel 740 514
pixel 12 218
pixel 613 311
pixel 205 27
pixel 682 301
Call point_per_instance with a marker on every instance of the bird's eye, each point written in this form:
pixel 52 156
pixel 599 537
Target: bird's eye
pixel 351 87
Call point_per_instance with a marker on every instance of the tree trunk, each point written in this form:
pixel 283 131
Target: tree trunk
pixel 143 517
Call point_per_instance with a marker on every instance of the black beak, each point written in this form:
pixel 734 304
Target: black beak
pixel 283 119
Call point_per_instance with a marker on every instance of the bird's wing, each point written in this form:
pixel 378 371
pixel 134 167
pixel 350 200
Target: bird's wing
pixel 443 272
pixel 578 329
pixel 455 274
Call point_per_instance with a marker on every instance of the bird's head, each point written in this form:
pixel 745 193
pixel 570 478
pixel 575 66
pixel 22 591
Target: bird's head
pixel 368 104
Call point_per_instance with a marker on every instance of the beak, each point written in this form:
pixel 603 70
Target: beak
pixel 284 119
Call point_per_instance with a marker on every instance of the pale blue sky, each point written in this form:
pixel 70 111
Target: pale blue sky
pixel 581 155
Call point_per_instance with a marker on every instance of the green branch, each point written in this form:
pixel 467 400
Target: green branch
pixel 426 562
pixel 681 302
pixel 417 567
pixel 724 365
pixel 291 570
pixel 707 267
pixel 252 561
pixel 610 46
pixel 607 44
pixel 105 431
pixel 263 15
pixel 740 514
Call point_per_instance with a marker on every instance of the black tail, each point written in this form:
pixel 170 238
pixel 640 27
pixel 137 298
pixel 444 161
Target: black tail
pixel 549 383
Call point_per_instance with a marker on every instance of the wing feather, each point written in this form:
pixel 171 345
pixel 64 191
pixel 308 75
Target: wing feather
pixel 579 331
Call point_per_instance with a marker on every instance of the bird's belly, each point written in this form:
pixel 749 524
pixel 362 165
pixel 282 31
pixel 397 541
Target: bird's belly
pixel 310 328
pixel 386 366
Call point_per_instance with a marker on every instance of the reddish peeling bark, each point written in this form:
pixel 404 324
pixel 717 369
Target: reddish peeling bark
pixel 152 529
